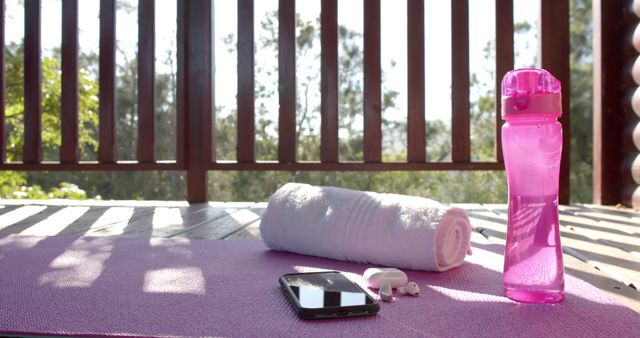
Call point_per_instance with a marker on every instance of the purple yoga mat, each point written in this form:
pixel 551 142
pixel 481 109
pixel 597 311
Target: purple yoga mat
pixel 169 287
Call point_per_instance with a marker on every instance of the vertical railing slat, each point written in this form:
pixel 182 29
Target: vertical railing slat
pixel 107 134
pixel 415 86
pixel 504 61
pixel 180 83
pixel 613 182
pixel 554 57
pixel 287 81
pixel 146 75
pixel 372 146
pixel 32 149
pixel 3 146
pixel 199 96
pixel 460 143
pixel 246 98
pixel 69 150
pixel 329 81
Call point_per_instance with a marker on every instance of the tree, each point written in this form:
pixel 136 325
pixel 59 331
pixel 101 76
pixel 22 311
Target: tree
pixel 51 140
pixel 581 110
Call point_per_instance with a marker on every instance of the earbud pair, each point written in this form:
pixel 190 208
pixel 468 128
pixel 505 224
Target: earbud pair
pixel 386 292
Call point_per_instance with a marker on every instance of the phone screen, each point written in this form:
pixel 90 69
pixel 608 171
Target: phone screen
pixel 330 291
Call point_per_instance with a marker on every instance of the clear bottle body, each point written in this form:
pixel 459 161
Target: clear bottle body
pixel 533 267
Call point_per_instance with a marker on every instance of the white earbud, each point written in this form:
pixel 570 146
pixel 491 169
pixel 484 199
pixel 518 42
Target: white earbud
pixel 411 288
pixel 386 293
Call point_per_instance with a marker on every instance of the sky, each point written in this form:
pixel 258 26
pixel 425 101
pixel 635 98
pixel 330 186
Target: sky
pixel 393 41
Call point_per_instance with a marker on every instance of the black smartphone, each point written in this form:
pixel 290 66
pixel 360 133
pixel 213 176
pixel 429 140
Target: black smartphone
pixel 328 294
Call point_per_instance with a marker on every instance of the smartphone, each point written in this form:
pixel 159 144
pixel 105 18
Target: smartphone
pixel 328 294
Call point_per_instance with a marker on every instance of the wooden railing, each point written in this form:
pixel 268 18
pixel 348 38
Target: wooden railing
pixel 196 154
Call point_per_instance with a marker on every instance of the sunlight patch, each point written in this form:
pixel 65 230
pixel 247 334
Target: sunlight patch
pixel 469 296
pixel 166 217
pixel 77 268
pixel 243 216
pixel 175 280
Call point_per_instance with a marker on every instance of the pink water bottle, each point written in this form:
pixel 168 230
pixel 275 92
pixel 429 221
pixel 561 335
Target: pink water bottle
pixel 532 147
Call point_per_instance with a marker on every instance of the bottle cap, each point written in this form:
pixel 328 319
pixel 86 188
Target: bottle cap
pixel 531 91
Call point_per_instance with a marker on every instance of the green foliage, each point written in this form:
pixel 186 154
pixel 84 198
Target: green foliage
pixel 14 184
pixel 64 191
pixel 581 34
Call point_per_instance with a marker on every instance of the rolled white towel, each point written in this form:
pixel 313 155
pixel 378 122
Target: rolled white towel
pixel 365 227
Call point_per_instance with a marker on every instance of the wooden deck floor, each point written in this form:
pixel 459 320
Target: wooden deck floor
pixel 601 245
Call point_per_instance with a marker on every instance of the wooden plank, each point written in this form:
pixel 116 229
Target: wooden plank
pixel 3 148
pixel 597 232
pixel 460 128
pixel 19 214
pixel 33 216
pixel 246 83
pixel 372 142
pixel 504 62
pixel 223 226
pixel 584 221
pixel 32 148
pixel 251 230
pixel 611 218
pixel 199 97
pixel 146 76
pixel 92 166
pixel 620 265
pixel 83 223
pixel 107 82
pixel 554 57
pixel 416 140
pixel 354 166
pixel 112 222
pixel 167 222
pixel 329 81
pixel 609 209
pixel 7 208
pixel 287 81
pixel 262 165
pixel 181 109
pixel 69 150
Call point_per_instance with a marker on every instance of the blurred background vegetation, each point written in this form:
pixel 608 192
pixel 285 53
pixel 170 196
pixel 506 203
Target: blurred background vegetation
pixel 451 186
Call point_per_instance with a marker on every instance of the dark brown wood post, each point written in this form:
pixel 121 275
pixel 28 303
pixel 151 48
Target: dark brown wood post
pixel 329 81
pixel 372 91
pixel 416 140
pixel 107 135
pixel 612 82
pixel 32 148
pixel 246 83
pixel 287 81
pixel 554 57
pixel 69 150
pixel 460 82
pixel 504 61
pixel 199 96
pixel 146 77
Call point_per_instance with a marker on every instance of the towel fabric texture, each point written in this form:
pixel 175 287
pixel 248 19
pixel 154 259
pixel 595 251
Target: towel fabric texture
pixel 365 227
